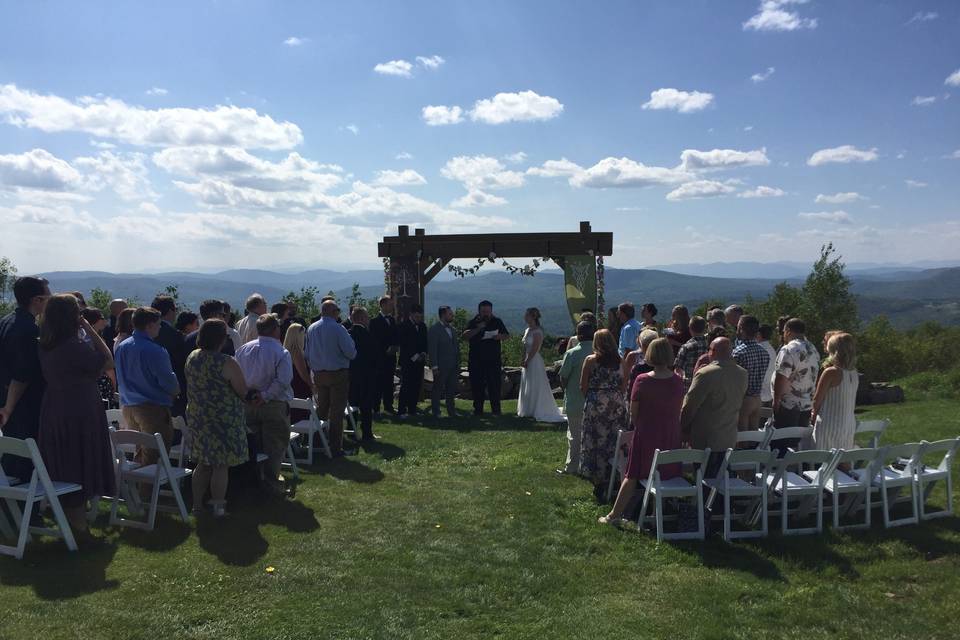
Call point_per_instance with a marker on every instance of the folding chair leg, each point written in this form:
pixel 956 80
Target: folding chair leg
pixel 613 477
pixel 658 503
pixel 293 461
pixel 325 443
pixel 154 503
pixel 24 530
pixel 5 529
pixel 643 509
pixel 726 516
pixel 175 490
pixel 63 524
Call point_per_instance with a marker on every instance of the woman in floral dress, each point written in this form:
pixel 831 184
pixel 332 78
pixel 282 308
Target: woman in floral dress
pixel 215 394
pixel 604 409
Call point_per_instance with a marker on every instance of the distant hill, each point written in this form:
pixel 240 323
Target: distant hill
pixel 906 297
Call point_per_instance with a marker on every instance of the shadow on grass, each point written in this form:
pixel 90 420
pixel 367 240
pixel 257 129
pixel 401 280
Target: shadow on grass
pixel 55 573
pixel 740 556
pixel 927 537
pixel 386 450
pixel 349 468
pixel 466 422
pixel 170 532
pixel 236 540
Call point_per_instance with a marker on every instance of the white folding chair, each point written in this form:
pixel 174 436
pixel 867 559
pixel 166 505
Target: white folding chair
pixel 858 489
pixel 351 413
pixel 677 487
pixel 895 470
pixel 40 489
pixel 927 477
pixel 873 428
pixel 618 463
pixel 789 433
pixel 160 474
pixel 732 486
pixel 310 427
pixel 790 483
pixel 181 451
pixel 291 459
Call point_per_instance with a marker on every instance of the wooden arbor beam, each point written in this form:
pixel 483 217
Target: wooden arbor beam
pixel 503 245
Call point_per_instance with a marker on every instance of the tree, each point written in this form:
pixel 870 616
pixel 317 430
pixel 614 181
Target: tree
pixel 173 291
pixel 828 302
pixel 8 274
pixel 306 302
pixel 100 299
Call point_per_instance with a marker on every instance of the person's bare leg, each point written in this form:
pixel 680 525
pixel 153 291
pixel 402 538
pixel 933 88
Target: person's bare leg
pixel 201 481
pixel 624 496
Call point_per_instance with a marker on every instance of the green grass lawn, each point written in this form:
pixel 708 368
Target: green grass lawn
pixel 461 529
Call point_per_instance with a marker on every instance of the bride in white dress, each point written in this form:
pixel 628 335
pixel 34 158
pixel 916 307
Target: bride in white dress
pixel 536 398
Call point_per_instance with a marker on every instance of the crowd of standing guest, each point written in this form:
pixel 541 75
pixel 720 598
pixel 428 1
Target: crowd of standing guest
pixel 697 383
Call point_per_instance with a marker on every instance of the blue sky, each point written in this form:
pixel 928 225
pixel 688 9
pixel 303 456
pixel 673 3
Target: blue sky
pixel 139 136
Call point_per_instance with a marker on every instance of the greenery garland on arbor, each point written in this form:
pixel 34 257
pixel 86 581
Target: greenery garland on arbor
pixel 525 270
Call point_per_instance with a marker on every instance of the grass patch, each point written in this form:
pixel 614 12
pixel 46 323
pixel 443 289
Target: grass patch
pixel 462 529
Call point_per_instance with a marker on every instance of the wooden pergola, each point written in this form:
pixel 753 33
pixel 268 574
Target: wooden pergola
pixel 414 260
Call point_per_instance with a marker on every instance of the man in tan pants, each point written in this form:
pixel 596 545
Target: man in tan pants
pixel 146 381
pixel 268 370
pixel 328 351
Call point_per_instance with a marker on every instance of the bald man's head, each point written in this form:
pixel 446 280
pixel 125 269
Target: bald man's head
pixel 721 349
pixel 116 306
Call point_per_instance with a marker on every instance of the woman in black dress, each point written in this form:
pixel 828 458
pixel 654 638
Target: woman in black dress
pixel 73 439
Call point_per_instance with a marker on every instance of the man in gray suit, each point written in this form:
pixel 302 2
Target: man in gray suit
pixel 443 347
pixel 711 409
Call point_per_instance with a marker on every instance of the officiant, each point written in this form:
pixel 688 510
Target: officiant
pixel 485 332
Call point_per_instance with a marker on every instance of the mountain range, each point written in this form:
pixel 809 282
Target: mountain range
pixel 906 295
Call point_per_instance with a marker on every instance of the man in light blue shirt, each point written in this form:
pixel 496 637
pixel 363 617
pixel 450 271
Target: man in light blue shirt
pixel 629 329
pixel 146 381
pixel 328 350
pixel 268 369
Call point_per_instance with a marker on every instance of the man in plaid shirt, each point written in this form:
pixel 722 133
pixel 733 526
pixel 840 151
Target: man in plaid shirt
pixel 691 351
pixel 755 359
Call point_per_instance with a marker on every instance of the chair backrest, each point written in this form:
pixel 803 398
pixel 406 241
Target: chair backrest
pixel 759 436
pixel 947 448
pixel 908 455
pixel 790 433
pixel 115 417
pixel 14 447
pixel 186 440
pixel 304 404
pixel 858 458
pixel 681 456
pixel 874 427
pixel 743 457
pixel 26 448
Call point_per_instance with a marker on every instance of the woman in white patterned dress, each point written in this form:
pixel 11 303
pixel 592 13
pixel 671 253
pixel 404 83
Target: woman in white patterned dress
pixel 832 417
pixel 536 397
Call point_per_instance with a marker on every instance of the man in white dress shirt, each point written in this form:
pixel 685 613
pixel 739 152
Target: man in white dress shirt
pixel 268 370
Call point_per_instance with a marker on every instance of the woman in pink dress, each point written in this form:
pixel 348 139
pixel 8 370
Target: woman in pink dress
pixel 655 402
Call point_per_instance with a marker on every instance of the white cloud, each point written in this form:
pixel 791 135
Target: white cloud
pixel 352 128
pixel 624 172
pixel 772 15
pixel 149 207
pixel 59 217
pixel 157 91
pixel 125 173
pixel 478 198
pixel 515 158
pixel 403 155
pixel 100 144
pixel 37 169
pixel 523 106
pixel 838 198
pixel 404 178
pixel 762 191
pixel 439 115
pixel 700 189
pixel 749 127
pixel 114 119
pixel 400 68
pixel 923 101
pixel 695 160
pixel 676 100
pixel 915 184
pixel 430 62
pixel 295 41
pixel 561 168
pixel 953 156
pixel 923 16
pixel 763 75
pixel 840 217
pixel 481 172
pixel 842 154
pixel 953 80
pixel 223 168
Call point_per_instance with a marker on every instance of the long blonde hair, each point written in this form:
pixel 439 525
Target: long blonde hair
pixel 842 348
pixel 605 349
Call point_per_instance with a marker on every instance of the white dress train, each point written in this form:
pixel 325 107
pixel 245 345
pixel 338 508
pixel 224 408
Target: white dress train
pixel 536 398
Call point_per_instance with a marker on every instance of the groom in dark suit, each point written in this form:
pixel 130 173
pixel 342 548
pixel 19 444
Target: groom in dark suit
pixel 443 345
pixel 413 356
pixel 383 329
